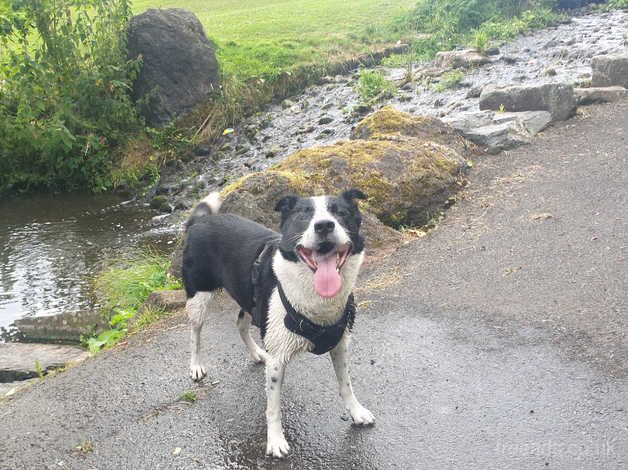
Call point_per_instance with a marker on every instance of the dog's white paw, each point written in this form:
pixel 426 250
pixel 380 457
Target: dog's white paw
pixel 277 447
pixel 362 417
pixel 259 356
pixel 197 372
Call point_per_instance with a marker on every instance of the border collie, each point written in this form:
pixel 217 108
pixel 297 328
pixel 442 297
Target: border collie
pixel 295 286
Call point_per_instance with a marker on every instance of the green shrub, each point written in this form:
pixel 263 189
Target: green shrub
pixel 371 83
pixel 473 22
pixel 616 4
pixel 479 41
pixel 64 103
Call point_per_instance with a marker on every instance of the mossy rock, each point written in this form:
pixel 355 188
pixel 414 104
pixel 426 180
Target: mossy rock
pixel 254 197
pixel 409 166
pixel 388 122
pixel 406 180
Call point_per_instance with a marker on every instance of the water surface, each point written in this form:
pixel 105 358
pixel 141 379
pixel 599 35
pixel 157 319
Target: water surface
pixel 51 247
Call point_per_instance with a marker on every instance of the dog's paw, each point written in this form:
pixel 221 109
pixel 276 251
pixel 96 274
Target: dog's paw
pixel 362 417
pixel 277 447
pixel 197 372
pixel 260 356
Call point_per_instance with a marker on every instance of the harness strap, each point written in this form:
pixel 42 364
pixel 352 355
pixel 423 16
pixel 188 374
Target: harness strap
pixel 324 338
pixel 263 281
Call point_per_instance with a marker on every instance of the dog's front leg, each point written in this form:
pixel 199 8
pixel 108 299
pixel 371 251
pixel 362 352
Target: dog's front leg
pixel 340 358
pixel 276 444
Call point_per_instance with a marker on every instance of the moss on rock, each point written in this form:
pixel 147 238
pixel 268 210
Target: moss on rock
pixel 388 122
pixel 406 179
pixel 409 166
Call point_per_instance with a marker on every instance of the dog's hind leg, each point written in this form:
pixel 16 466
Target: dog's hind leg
pixel 340 357
pixel 197 309
pixel 244 324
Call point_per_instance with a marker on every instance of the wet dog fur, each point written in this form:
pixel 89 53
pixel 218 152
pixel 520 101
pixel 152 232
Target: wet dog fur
pixel 220 251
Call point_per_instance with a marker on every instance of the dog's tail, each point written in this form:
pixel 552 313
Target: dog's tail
pixel 209 205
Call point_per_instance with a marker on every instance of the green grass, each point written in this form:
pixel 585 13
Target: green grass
pixel 397 60
pixel 371 83
pixel 449 80
pixel 121 289
pixel 147 316
pixel 189 396
pixel 263 38
pixel 126 285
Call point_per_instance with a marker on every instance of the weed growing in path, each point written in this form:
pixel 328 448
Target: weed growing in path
pixel 189 396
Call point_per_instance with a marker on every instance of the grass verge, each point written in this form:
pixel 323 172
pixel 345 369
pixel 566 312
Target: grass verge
pixel 121 289
pixel 265 39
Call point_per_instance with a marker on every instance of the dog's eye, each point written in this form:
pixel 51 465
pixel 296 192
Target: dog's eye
pixel 340 212
pixel 337 210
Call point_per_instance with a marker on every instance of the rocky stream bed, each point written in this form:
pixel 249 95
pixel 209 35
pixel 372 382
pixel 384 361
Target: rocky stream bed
pixel 325 113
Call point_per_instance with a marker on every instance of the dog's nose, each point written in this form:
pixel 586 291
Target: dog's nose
pixel 324 227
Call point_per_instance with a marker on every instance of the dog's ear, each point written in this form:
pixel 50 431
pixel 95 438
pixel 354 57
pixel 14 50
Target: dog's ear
pixel 350 194
pixel 286 203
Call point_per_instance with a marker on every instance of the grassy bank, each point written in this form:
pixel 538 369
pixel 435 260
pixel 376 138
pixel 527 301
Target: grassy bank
pixel 66 120
pixel 265 38
pixel 121 290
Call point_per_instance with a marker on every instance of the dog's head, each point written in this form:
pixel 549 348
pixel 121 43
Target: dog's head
pixel 321 232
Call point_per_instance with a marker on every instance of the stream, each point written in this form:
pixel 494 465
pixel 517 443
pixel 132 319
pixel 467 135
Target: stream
pixel 51 246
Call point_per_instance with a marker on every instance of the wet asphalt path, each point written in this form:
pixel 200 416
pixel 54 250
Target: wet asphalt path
pixel 495 342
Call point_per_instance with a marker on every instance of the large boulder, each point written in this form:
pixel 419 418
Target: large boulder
pixel 402 162
pixel 179 67
pixel 557 98
pixel 610 70
pixel 387 121
pixel 407 176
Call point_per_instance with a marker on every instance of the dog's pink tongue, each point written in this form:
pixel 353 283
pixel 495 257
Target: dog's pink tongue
pixel 327 282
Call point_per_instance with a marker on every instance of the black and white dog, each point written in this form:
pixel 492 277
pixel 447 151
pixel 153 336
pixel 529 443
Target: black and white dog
pixel 296 286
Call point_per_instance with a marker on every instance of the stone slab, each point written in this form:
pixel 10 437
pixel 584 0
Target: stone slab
pixel 497 137
pixel 168 300
pixel 62 328
pixel 610 70
pixel 21 361
pixel 595 95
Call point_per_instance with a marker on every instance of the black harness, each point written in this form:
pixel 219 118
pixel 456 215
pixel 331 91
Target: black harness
pixel 324 338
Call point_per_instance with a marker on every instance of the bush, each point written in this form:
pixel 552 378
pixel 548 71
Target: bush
pixel 474 22
pixel 64 83
pixel 371 83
